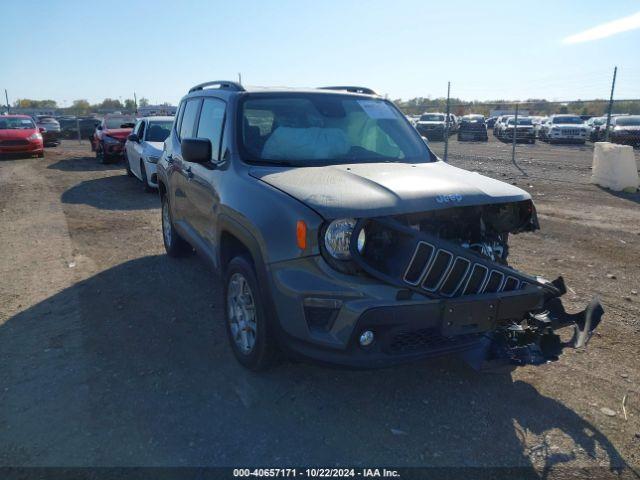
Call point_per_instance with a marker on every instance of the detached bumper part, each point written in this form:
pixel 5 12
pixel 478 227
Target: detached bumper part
pixel 534 341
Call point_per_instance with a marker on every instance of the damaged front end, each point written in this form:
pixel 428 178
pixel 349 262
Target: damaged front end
pixel 459 255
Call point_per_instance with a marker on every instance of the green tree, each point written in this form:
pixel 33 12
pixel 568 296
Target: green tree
pixel 144 102
pixel 130 105
pixel 80 106
pixel 111 104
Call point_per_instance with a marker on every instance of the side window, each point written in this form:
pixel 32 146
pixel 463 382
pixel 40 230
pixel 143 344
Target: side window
pixel 188 122
pixel 141 129
pixel 210 125
pixel 179 117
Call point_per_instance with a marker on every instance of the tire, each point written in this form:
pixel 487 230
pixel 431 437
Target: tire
pixel 145 179
pixel 40 154
pixel 101 156
pixel 459 138
pixel 174 244
pixel 254 349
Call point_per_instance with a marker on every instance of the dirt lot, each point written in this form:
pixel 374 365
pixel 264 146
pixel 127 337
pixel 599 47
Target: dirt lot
pixel 113 354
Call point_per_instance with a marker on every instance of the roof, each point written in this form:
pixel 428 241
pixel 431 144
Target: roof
pixel 228 86
pixel 17 115
pixel 159 117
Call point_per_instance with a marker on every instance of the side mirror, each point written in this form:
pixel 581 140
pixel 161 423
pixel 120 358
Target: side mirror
pixel 196 150
pixel 99 127
pixel 42 129
pixel 133 138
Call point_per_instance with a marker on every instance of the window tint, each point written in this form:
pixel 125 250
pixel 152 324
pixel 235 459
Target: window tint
pixel 210 126
pixel 141 130
pixel 179 116
pixel 189 118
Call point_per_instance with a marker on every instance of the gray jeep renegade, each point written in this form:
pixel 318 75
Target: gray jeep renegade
pixel 341 237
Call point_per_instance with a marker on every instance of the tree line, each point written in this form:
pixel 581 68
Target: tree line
pixel 82 106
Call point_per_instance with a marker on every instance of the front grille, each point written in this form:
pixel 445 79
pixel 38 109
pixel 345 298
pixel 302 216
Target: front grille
pixel 571 131
pixel 426 339
pixel 13 143
pixel 449 275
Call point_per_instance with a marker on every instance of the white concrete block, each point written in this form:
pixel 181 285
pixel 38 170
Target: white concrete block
pixel 614 166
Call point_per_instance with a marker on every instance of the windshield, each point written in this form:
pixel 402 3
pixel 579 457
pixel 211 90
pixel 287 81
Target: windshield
pixel 16 123
pixel 473 118
pixel 521 121
pixel 627 121
pixel 120 122
pixel 303 129
pixel 430 117
pixel 569 120
pixel 158 131
pixel 47 120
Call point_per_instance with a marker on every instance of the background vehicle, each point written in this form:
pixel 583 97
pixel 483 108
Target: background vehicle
pixel 19 134
pixel 432 125
pixel 524 130
pixel 51 130
pixel 472 127
pixel 143 149
pixel 110 135
pixel 563 129
pixel 341 237
pixel 625 130
pixel 595 128
pixel 498 123
pixel 491 121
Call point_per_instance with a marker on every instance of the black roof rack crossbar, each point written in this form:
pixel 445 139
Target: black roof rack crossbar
pixel 222 84
pixel 352 89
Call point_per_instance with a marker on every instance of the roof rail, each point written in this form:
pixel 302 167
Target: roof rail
pixel 351 89
pixel 222 84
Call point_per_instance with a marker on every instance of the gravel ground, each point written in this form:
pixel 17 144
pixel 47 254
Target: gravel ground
pixel 113 354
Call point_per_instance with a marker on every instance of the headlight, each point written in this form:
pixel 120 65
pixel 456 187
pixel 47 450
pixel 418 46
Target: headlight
pixel 152 159
pixel 337 237
pixel 35 136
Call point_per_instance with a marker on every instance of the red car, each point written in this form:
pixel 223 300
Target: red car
pixel 110 136
pixel 19 134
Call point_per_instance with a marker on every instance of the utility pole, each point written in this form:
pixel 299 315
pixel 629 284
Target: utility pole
pixel 515 134
pixel 239 78
pixel 446 128
pixel 6 96
pixel 135 102
pixel 613 85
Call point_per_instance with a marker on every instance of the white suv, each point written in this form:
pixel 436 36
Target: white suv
pixel 564 129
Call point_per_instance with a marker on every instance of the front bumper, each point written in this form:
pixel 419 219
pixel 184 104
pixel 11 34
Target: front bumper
pixel 114 149
pixel 460 300
pixel 31 147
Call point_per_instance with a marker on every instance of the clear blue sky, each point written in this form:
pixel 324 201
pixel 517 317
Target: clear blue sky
pixel 488 49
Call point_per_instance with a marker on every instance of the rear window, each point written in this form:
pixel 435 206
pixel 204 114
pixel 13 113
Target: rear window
pixel 158 131
pixel 431 118
pixel 570 120
pixel 120 122
pixel 628 121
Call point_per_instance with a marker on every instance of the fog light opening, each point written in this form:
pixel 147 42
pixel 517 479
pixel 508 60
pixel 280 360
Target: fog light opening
pixel 366 338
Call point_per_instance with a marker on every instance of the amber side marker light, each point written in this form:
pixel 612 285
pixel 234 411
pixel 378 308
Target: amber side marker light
pixel 301 234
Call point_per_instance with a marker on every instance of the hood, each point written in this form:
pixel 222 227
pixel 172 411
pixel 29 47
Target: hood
pixel 120 133
pixel 377 189
pixel 153 148
pixel 20 134
pixel 568 125
pixel 627 127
